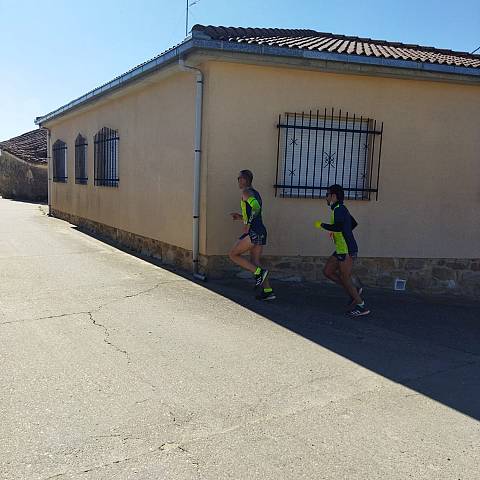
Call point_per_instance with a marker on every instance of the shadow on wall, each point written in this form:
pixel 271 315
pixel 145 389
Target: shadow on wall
pixel 430 346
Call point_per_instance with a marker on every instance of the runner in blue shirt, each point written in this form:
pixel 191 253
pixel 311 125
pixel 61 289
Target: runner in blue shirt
pixel 339 265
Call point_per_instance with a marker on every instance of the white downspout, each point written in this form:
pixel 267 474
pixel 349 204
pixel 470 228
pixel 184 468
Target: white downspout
pixel 196 166
pixel 49 172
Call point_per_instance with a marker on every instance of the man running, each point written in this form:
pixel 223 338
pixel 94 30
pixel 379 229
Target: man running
pixel 339 265
pixel 254 235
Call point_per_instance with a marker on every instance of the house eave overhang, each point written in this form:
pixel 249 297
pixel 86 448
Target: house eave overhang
pixel 200 42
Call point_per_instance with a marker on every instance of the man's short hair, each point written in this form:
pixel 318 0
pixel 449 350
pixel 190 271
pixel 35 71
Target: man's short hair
pixel 248 175
pixel 338 191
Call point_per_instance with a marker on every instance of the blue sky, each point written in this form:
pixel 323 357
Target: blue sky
pixel 53 51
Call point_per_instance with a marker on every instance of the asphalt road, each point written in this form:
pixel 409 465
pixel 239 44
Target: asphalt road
pixel 115 368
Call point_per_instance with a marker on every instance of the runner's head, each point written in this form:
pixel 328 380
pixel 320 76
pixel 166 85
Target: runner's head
pixel 245 179
pixel 335 194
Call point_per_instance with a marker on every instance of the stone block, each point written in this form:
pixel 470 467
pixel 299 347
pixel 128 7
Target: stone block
pixel 283 266
pixel 419 282
pixel 442 273
pixel 306 267
pixel 385 281
pixel 458 264
pixel 414 264
pixel 385 264
pixel 475 266
pixel 471 278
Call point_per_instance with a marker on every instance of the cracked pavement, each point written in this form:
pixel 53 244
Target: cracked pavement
pixel 114 368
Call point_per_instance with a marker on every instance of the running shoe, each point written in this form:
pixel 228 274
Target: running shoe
pixel 266 296
pixel 260 278
pixel 358 311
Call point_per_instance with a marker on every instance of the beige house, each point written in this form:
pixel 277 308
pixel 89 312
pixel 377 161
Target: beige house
pixel 397 125
pixel 23 166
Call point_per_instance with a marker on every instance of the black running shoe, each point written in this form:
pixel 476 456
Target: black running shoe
pixel 260 278
pixel 358 311
pixel 266 296
pixel 360 291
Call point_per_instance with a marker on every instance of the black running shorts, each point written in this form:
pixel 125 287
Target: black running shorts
pixel 341 257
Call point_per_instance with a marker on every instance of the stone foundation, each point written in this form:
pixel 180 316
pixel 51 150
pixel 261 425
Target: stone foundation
pixel 459 277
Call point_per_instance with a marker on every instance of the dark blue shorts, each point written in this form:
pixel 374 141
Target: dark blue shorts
pixel 257 238
pixel 341 257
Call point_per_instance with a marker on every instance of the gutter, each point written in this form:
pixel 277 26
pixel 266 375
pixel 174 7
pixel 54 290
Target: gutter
pixel 199 41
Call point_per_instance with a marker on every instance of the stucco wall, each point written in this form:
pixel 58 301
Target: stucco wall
pixel 429 204
pixel 156 127
pixel 22 180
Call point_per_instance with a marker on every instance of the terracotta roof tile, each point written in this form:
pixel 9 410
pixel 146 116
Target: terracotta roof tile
pixel 341 44
pixel 30 146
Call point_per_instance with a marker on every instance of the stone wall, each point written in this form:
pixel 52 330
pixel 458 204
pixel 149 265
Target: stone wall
pixel 22 180
pixel 460 277
pixel 453 277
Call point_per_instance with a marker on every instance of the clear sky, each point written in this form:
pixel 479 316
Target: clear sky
pixel 53 51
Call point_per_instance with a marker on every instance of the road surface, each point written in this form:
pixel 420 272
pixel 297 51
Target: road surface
pixel 112 367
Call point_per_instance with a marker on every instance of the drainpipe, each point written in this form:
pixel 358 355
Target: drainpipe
pixel 49 176
pixel 196 165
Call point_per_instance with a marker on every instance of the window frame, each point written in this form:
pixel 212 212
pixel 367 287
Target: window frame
pixel 349 145
pixel 106 158
pixel 57 147
pixel 81 156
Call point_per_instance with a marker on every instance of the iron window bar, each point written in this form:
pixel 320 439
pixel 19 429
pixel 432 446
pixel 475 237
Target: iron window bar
pixel 316 149
pixel 106 158
pixel 81 146
pixel 59 156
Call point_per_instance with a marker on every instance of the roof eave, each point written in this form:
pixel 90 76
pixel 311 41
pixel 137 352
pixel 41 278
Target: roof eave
pixel 334 57
pixel 199 41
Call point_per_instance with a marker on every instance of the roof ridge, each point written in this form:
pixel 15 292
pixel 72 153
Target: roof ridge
pixel 258 31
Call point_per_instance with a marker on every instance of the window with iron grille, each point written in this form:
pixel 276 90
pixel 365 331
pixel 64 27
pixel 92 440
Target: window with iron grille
pixel 81 145
pixel 59 151
pixel 106 158
pixel 318 149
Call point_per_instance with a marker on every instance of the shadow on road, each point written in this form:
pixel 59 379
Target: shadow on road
pixel 431 346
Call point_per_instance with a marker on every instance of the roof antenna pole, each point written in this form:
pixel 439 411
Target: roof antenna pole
pixel 187 9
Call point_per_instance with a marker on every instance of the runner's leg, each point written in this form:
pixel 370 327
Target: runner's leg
pixel 242 246
pixel 256 254
pixel 345 268
pixel 331 270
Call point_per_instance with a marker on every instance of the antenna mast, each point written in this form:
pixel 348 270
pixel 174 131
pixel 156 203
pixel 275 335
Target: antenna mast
pixel 189 4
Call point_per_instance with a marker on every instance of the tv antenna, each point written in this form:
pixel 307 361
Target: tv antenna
pixel 188 5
